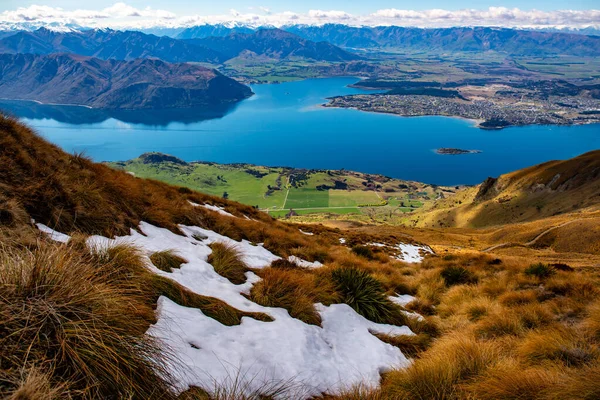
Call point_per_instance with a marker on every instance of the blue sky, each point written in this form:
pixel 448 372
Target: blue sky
pixel 142 14
pixel 351 6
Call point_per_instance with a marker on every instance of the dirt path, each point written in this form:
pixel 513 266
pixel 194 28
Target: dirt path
pixel 533 241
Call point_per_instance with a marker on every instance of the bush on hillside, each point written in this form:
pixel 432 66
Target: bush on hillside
pixel 453 275
pixel 366 295
pixel 540 270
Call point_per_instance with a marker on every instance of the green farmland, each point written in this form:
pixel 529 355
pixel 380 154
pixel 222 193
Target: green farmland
pixel 280 190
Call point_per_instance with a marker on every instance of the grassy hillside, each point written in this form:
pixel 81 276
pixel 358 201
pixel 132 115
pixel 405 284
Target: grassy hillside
pixel 541 191
pixel 79 322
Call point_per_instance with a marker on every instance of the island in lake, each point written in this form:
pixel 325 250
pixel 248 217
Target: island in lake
pixel 454 152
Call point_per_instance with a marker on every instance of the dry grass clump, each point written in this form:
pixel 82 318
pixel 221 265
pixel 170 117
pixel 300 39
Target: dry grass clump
pixel 581 383
pixel 167 260
pixel 438 373
pixel 514 321
pixel 510 381
pixel 293 290
pixel 409 345
pixel 592 320
pixel 558 344
pixel 81 331
pixel 227 262
pixel 518 297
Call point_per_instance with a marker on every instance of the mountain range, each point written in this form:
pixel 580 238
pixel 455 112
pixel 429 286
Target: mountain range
pixel 511 41
pixel 478 39
pixel 114 84
pixel 273 43
pixel 129 45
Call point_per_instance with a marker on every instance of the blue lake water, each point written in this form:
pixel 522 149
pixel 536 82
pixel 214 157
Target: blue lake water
pixel 282 125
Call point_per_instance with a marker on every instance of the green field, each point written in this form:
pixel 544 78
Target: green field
pixel 277 190
pixel 345 198
pixel 307 198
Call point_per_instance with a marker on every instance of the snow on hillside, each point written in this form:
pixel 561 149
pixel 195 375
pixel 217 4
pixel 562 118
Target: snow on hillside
pixel 341 353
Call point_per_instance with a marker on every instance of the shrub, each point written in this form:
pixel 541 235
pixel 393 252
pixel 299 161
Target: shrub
pixel 82 330
pixel 167 260
pixel 540 270
pixel 363 251
pixel 453 275
pixel 366 295
pixel 226 260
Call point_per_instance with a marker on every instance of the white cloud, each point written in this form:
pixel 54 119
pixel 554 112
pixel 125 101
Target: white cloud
pixel 122 15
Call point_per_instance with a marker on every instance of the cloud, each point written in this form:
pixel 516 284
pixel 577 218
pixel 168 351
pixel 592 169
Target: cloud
pixel 121 15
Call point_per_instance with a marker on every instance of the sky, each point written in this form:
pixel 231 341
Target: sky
pixel 424 13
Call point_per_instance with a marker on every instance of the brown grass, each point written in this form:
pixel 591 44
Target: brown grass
pixel 438 372
pixel 83 330
pixel 227 262
pixel 167 260
pixel 294 291
pixel 559 344
pixel 510 380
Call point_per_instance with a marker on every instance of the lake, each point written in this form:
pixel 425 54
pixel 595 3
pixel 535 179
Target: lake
pixel 283 125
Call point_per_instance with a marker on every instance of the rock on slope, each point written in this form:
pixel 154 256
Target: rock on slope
pixel 137 84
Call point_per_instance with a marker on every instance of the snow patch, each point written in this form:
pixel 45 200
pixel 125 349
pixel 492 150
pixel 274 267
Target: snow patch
pixel 402 299
pixel 306 233
pixel 342 241
pixel 54 235
pixel 340 354
pixel 303 263
pixel 217 209
pixel 328 359
pixel 411 253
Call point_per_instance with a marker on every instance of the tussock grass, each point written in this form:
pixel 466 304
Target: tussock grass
pixel 227 262
pixel 511 381
pixel 439 371
pixel 558 344
pixel 167 260
pixel 241 386
pixel 284 263
pixel 295 291
pixel 592 320
pixel 409 345
pixel 581 384
pixel 79 329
